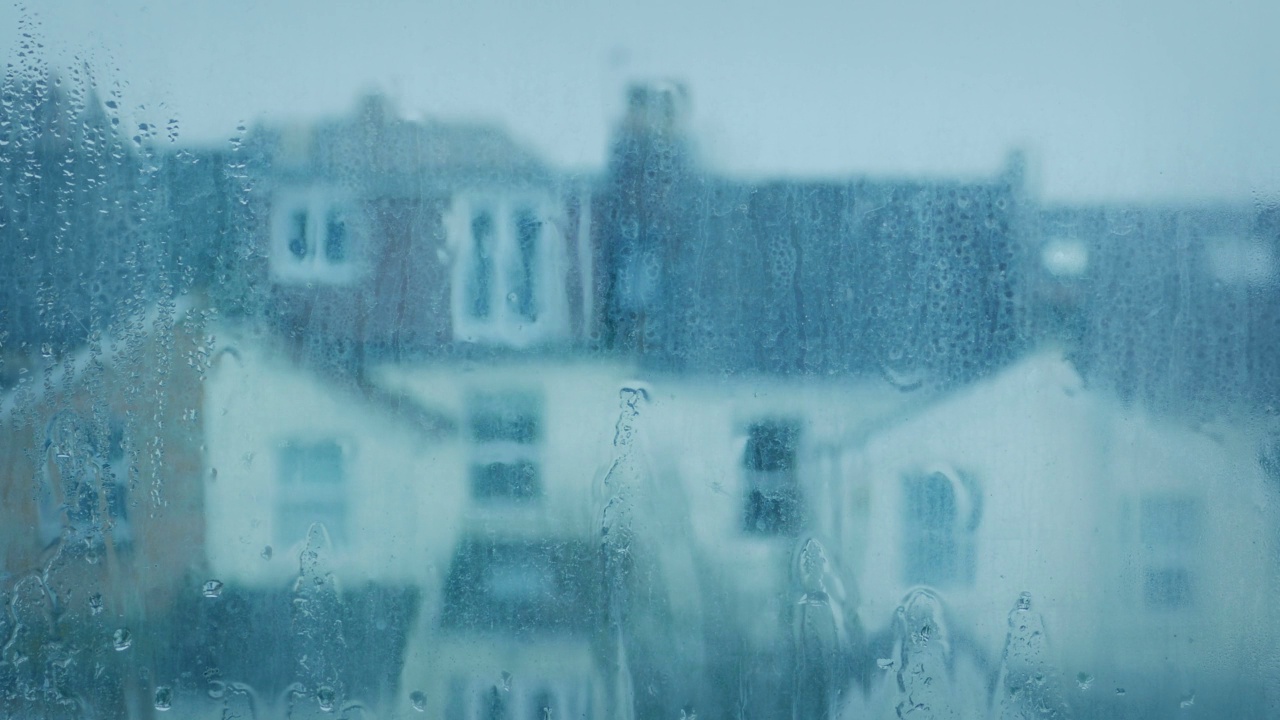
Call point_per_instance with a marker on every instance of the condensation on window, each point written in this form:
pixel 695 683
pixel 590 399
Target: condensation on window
pixel 507 363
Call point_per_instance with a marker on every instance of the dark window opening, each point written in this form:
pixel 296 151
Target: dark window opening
pixel 772 492
pixel 505 431
pixel 335 248
pixel 482 234
pixel 117 507
pixel 511 480
pixel 771 447
pixel 94 499
pixel 298 234
pixel 1167 588
pixel 527 587
pixel 1170 523
pixel 505 424
pixel 311 490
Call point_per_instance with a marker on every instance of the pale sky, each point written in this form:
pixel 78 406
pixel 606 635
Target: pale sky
pixel 1112 100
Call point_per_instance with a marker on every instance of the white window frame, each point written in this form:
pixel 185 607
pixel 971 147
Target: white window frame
pixel 316 266
pixel 505 325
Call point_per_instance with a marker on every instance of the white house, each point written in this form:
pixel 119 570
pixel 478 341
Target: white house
pixel 1142 538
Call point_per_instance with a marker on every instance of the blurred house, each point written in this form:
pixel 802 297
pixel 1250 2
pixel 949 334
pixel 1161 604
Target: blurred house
pixel 912 279
pixel 90 571
pixel 384 235
pixel 446 429
pixel 83 442
pixel 446 383
pixel 1129 528
pixel 388 244
pixel 447 368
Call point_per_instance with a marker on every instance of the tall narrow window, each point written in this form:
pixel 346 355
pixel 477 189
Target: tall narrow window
pixel 528 229
pixel 335 246
pixel 930 522
pixel 298 234
pixel 482 237
pixel 83 491
pixel 772 491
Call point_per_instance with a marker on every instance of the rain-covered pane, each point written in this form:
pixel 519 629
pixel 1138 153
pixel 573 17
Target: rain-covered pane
pixel 502 361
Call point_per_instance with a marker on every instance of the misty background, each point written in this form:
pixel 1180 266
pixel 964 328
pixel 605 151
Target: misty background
pixel 1140 100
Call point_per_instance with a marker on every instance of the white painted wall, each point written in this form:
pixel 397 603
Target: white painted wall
pixel 1063 471
pixel 406 495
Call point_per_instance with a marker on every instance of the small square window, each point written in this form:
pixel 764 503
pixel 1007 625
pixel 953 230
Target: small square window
pixel 513 480
pixel 1170 523
pixel 315 237
pixel 1167 588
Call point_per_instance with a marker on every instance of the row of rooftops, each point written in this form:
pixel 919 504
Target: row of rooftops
pixel 686 269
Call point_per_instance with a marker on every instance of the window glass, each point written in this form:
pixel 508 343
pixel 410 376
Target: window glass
pixel 311 489
pixel 335 247
pixel 649 361
pixel 482 235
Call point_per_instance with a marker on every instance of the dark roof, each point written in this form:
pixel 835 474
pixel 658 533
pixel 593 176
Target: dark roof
pixel 812 277
pixel 379 154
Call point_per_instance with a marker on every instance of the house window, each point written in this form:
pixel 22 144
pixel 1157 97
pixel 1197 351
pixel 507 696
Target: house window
pixel 772 492
pixel 503 290
pixel 312 238
pixel 482 263
pixel 938 539
pixel 335 236
pixel 83 490
pixel 298 234
pixel 522 586
pixel 1169 530
pixel 528 231
pixel 311 489
pixel 505 433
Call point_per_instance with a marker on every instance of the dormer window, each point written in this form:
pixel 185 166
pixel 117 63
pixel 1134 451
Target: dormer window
pixel 941 514
pixel 509 277
pixel 528 228
pixel 481 287
pixel 312 238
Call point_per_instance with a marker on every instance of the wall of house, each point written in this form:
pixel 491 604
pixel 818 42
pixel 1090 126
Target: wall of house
pixel 1081 500
pixel 397 485
pixel 133 453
